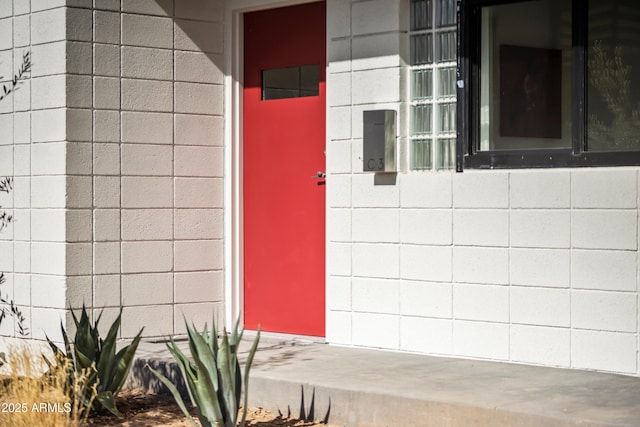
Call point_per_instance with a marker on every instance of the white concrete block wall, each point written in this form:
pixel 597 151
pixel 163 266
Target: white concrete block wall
pixel 115 143
pixel 159 161
pixel 526 266
pixel 358 247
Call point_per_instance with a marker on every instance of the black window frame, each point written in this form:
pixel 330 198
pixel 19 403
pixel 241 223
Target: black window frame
pixel 468 109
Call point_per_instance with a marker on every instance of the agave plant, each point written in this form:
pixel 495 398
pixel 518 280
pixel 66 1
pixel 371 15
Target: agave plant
pixel 91 352
pixel 214 379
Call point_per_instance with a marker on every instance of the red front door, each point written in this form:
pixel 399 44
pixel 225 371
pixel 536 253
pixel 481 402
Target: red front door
pixel 284 149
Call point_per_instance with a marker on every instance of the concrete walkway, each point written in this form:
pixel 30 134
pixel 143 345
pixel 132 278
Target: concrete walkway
pixel 362 387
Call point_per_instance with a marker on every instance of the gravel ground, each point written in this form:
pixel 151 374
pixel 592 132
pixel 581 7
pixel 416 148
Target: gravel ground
pixel 156 410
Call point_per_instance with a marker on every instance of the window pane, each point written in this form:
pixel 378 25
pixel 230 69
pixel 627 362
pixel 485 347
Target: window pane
pixel 446 153
pixel 290 82
pixel 421 154
pixel 421 84
pixel 525 75
pixel 447 117
pixel 420 14
pixel 421 49
pixel 446 12
pixel 309 76
pixel 613 66
pixel 447 82
pixel 446 45
pixel 421 119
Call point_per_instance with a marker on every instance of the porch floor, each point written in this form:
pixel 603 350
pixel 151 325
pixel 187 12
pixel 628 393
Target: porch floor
pixel 365 387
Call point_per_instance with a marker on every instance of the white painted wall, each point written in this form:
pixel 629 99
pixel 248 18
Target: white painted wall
pixel 116 148
pixel 526 266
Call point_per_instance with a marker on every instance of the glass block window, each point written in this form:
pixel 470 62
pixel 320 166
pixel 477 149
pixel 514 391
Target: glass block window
pixel 432 88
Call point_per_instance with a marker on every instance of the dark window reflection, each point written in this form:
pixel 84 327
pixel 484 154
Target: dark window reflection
pixel 290 82
pixel 613 66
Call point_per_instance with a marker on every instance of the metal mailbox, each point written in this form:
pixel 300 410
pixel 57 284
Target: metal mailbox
pixel 379 143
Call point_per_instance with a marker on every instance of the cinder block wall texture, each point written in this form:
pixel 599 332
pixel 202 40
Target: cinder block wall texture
pixel 115 143
pixel 528 266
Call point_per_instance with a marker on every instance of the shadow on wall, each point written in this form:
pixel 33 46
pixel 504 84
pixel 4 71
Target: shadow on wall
pixel 201 28
pixel 198 40
pixel 141 378
pixel 364 32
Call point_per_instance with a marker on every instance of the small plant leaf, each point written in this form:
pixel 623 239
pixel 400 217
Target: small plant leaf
pixel 247 368
pixel 185 367
pixel 106 365
pixel 303 412
pixel 214 335
pixel 108 402
pixel 227 379
pixel 204 353
pixel 83 361
pixel 124 360
pixel 312 407
pixel 65 337
pixel 209 406
pixel 174 391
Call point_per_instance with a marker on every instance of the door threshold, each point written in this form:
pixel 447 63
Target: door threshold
pixel 289 339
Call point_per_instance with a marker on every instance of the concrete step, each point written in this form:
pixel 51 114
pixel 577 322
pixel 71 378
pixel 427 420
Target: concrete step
pixel 358 387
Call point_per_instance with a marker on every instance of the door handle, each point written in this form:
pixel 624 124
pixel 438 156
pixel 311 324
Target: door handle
pixel 319 175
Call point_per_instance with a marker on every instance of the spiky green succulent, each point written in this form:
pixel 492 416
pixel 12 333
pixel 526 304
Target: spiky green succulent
pixel 213 376
pixel 90 352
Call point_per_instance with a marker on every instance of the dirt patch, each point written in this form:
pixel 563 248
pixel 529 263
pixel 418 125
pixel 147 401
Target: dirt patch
pixel 157 410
